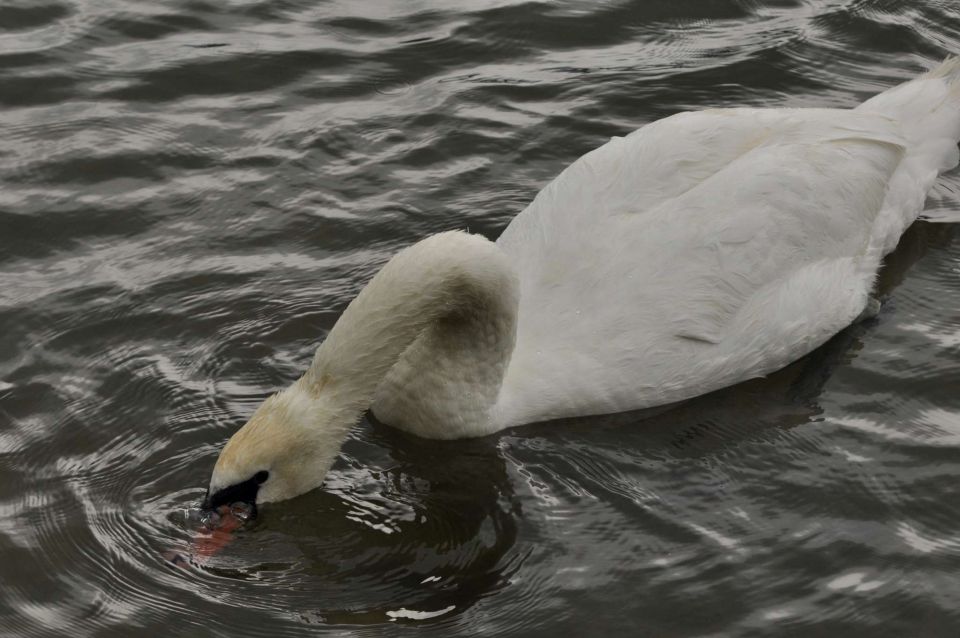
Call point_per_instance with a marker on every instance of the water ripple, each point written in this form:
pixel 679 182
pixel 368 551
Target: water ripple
pixel 191 193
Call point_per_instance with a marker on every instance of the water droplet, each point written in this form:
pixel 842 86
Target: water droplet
pixel 242 511
pixel 210 520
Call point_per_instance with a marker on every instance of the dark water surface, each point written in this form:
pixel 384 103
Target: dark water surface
pixel 192 191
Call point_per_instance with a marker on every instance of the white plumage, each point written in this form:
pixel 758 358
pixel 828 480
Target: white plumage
pixel 699 251
pixel 711 247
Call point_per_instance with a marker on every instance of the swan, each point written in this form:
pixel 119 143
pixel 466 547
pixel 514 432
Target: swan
pixel 701 250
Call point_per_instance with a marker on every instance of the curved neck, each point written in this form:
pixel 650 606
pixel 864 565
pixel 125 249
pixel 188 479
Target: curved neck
pixel 429 337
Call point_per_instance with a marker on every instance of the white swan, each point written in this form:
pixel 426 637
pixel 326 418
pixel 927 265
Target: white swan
pixel 699 251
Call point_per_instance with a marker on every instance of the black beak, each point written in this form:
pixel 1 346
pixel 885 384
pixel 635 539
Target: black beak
pixel 245 492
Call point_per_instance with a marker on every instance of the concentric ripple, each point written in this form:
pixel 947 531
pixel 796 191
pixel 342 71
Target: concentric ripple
pixel 191 193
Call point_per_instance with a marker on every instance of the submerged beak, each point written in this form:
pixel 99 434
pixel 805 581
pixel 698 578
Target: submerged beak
pixel 238 510
pixel 240 499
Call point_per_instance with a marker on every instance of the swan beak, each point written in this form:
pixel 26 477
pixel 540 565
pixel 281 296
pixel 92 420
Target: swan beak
pixel 240 499
pixel 241 510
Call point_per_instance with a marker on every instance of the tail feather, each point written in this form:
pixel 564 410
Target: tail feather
pixel 928 111
pixel 948 70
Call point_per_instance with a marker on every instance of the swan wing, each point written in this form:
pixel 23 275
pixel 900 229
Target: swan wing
pixel 694 253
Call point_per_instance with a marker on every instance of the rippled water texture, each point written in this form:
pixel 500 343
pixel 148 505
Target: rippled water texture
pixel 192 191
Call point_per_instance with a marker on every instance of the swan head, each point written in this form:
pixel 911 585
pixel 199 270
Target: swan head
pixel 447 303
pixel 284 450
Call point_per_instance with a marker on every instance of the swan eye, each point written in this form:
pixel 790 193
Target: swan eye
pixel 261 477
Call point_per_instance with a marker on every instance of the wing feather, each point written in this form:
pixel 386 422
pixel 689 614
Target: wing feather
pixel 647 259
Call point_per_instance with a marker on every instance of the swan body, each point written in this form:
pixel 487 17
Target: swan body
pixel 696 252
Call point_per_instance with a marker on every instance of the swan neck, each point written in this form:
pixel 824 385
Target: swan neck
pixel 443 302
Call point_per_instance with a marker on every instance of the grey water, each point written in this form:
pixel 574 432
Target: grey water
pixel 191 192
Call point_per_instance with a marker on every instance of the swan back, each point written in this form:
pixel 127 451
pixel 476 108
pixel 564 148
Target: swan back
pixel 711 247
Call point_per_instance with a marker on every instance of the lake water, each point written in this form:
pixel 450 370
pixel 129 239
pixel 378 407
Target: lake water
pixel 191 193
